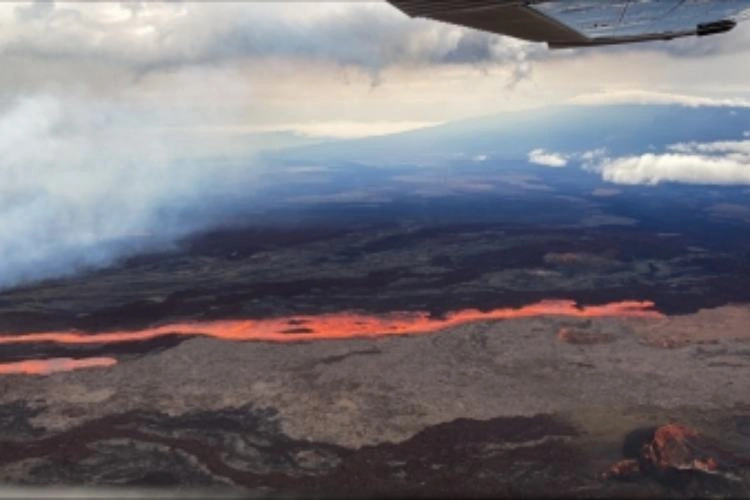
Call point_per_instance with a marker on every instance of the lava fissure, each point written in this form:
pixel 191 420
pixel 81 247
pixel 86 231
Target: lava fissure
pixel 339 325
pixel 321 327
pixel 53 365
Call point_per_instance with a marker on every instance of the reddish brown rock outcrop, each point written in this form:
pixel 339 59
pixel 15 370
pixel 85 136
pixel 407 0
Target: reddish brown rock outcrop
pixel 624 470
pixel 676 447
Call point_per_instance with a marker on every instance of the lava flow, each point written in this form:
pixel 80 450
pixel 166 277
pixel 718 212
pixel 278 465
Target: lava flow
pixel 339 325
pixel 48 366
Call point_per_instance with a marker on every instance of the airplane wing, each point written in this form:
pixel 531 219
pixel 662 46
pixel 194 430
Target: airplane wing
pixel 585 23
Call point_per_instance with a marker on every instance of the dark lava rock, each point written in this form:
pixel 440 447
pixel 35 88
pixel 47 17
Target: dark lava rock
pixel 246 448
pixel 743 425
pixel 582 337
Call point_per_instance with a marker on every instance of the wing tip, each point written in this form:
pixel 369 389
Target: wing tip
pixel 715 28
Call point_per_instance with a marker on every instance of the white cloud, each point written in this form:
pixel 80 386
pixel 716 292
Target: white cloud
pixel 654 169
pixel 640 96
pixel 590 158
pixel 314 130
pixel 348 129
pixel 593 154
pixel 156 35
pixel 715 163
pixel 547 159
pixel 303 62
pixel 723 147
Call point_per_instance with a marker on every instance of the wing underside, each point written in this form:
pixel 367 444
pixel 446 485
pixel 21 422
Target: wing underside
pixel 577 23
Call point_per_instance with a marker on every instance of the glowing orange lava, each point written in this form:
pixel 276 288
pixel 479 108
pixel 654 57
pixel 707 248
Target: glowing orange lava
pixel 340 325
pixel 54 365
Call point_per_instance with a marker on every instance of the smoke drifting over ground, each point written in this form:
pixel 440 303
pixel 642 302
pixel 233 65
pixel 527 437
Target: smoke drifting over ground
pixel 84 184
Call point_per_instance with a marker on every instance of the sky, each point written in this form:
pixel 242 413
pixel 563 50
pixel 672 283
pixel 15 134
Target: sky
pixel 217 70
pixel 115 118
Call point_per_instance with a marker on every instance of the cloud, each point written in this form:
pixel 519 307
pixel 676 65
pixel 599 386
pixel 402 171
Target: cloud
pixel 640 96
pixel 713 163
pixel 593 155
pixel 344 129
pixel 295 62
pixel 312 130
pixel 740 148
pixel 38 9
pixel 159 36
pixel 654 169
pixel 85 185
pixel 547 159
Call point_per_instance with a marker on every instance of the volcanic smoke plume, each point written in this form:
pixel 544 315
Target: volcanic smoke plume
pixel 83 185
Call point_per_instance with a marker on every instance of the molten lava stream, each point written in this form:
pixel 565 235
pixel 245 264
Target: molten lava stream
pixel 53 365
pixel 340 325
